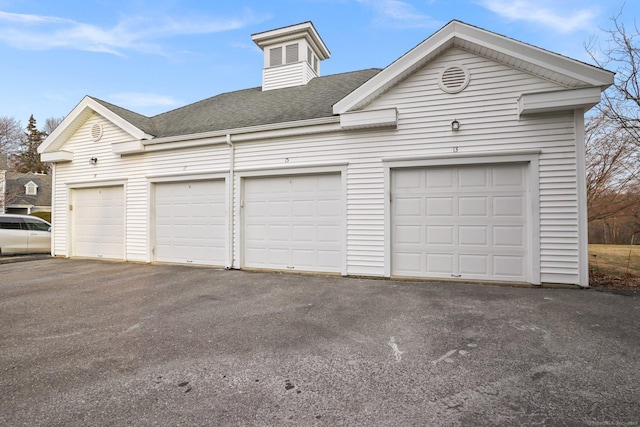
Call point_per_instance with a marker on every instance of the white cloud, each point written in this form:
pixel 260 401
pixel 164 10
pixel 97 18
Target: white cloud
pixel 133 100
pixel 38 32
pixel 398 13
pixel 535 11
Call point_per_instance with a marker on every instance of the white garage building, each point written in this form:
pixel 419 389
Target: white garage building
pixel 463 159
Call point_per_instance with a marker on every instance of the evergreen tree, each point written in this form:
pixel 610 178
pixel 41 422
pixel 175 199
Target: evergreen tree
pixel 28 159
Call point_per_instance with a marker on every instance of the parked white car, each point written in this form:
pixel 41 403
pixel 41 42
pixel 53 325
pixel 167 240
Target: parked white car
pixel 24 234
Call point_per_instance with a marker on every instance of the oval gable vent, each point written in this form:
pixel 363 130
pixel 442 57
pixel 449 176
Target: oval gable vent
pixel 96 132
pixel 454 79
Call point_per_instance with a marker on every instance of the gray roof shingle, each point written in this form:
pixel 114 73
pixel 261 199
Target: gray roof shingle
pixel 15 189
pixel 250 107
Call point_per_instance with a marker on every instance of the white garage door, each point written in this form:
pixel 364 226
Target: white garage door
pixel 190 222
pixel 460 222
pixel 98 222
pixel 293 223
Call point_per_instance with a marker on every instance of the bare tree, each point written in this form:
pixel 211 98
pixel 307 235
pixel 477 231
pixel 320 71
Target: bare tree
pixel 51 124
pixel 613 167
pixel 11 134
pixel 621 52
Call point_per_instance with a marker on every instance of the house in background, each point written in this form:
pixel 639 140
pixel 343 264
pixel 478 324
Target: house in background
pixel 462 160
pixel 23 193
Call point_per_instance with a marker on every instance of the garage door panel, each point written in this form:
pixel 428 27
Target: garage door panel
pixel 329 234
pixel 409 206
pixel 473 236
pixel 507 236
pixel 476 265
pixel 409 262
pixel 279 233
pixel 190 222
pixel 440 235
pixel 303 222
pixel 304 233
pixel 439 206
pixel 508 206
pixel 472 177
pixel 304 258
pixel 473 206
pixel 278 258
pixel 463 221
pixel 439 263
pixel 508 266
pixel 303 208
pixel 408 234
pixel 409 180
pixel 434 179
pixel 329 208
pixel 278 209
pixel 508 176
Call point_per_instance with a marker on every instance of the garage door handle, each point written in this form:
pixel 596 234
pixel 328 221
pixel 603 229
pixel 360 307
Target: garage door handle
pixel 456 275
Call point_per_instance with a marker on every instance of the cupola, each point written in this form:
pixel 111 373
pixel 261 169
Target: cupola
pixel 292 55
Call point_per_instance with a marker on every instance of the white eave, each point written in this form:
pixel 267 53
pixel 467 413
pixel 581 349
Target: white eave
pixel 561 100
pixel 251 133
pixel 369 119
pixel 57 157
pixel 78 117
pixel 551 66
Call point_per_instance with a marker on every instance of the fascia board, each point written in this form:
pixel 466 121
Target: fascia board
pixel 69 125
pixel 78 116
pixel 561 100
pixel 590 75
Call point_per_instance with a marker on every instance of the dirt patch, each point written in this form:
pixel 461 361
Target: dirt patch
pixel 624 284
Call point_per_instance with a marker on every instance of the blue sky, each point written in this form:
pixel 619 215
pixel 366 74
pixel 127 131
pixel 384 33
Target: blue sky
pixel 152 56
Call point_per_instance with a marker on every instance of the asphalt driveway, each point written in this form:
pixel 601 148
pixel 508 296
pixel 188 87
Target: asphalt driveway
pixel 99 343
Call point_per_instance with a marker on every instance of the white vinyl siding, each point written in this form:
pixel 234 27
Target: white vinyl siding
pixel 190 222
pixel 293 74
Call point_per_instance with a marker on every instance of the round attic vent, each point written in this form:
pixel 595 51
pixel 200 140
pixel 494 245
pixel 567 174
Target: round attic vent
pixel 454 78
pixel 96 132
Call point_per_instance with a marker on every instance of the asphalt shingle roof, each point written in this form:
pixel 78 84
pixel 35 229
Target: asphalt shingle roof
pixel 15 189
pixel 251 107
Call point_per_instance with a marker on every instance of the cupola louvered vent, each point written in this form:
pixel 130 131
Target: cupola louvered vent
pixel 454 79
pixel 96 132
